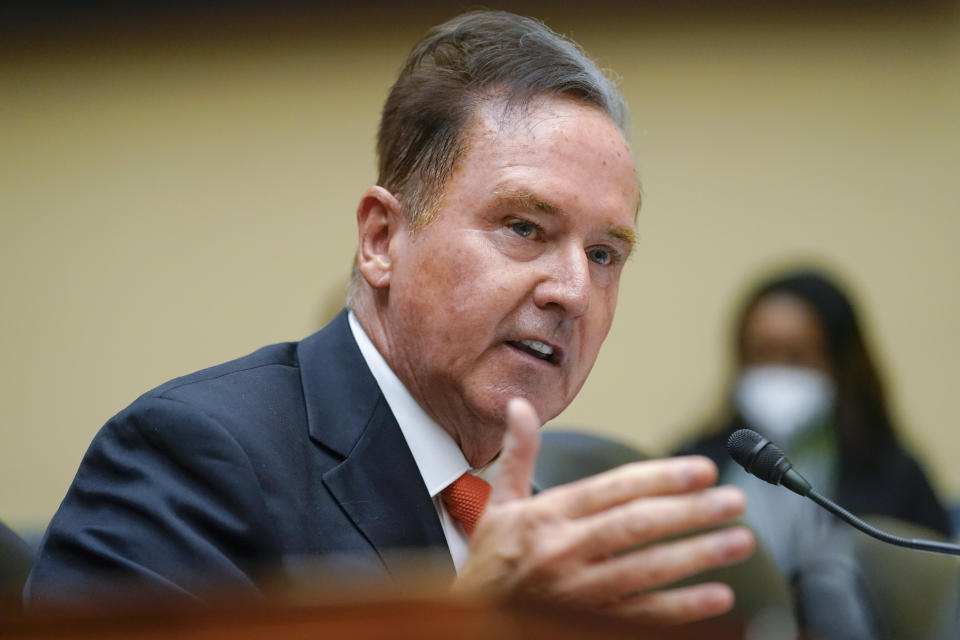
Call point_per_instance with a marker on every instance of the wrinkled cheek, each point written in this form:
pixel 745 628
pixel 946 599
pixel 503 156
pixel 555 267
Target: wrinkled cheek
pixel 605 320
pixel 445 297
pixel 593 339
pixel 465 284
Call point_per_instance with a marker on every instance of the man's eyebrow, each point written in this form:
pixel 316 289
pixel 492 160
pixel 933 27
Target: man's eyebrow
pixel 526 200
pixel 530 202
pixel 622 233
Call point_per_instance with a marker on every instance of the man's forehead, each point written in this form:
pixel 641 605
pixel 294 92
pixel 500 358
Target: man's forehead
pixel 498 116
pixel 494 120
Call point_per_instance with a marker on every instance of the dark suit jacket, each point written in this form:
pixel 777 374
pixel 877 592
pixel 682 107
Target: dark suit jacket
pixel 230 474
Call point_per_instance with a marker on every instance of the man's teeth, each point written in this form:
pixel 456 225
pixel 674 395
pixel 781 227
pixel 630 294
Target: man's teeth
pixel 538 346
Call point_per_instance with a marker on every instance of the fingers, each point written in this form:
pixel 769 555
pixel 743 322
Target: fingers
pixel 662 564
pixel 643 520
pixel 629 482
pixel 568 543
pixel 677 606
pixel 520 445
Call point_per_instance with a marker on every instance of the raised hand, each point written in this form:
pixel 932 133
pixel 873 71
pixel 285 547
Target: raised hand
pixel 609 542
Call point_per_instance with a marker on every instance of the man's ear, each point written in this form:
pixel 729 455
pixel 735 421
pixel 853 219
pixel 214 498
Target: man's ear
pixel 379 219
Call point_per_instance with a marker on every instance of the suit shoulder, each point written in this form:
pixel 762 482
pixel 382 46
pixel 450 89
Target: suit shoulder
pixel 264 387
pixel 282 354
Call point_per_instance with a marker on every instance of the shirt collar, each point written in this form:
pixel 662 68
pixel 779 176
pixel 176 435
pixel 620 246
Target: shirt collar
pixel 437 455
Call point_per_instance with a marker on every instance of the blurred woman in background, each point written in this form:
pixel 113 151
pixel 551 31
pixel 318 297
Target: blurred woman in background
pixel 806 381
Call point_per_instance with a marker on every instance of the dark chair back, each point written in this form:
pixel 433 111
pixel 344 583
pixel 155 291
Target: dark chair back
pixel 16 558
pixel 567 455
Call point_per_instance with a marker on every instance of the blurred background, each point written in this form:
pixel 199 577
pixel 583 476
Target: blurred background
pixel 178 184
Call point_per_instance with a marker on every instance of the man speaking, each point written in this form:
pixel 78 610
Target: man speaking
pixel 486 278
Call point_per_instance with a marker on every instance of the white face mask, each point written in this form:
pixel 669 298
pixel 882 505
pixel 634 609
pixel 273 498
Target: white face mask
pixel 780 401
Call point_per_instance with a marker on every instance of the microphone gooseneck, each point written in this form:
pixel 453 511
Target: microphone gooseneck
pixel 768 462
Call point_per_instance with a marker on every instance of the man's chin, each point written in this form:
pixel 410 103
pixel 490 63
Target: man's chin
pixel 481 442
pixel 546 405
pixel 484 439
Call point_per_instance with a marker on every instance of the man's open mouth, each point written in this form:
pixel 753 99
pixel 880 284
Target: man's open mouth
pixel 537 349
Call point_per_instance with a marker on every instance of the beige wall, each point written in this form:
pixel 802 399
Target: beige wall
pixel 169 205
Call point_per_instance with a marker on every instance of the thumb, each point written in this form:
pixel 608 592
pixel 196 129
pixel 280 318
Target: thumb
pixel 521 441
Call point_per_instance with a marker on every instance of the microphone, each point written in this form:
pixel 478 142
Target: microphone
pixel 767 461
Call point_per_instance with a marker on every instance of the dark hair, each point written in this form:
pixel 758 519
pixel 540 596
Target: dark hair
pixel 458 65
pixel 861 417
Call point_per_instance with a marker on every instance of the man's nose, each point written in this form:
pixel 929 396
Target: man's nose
pixel 566 283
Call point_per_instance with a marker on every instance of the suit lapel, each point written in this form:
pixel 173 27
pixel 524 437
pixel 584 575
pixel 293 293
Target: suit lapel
pixel 378 484
pixel 380 488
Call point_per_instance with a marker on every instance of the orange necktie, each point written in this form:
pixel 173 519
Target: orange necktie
pixel 465 499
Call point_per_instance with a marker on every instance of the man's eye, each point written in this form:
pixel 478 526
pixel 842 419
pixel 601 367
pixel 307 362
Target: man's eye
pixel 600 255
pixel 522 228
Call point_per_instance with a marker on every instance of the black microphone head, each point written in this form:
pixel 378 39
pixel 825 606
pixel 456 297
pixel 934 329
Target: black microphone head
pixel 741 445
pixel 757 455
pixel 768 464
pixel 765 460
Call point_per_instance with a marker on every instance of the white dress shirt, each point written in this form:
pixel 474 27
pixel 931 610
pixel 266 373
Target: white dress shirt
pixel 438 457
